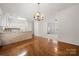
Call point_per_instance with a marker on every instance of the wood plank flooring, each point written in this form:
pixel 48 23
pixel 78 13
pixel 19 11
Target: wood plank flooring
pixel 38 46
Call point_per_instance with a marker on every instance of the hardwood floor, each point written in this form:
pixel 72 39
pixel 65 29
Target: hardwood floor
pixel 38 46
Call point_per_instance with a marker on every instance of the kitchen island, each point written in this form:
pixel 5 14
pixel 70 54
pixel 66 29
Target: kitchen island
pixel 13 37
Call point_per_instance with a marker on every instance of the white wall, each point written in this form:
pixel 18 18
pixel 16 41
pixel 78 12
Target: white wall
pixel 67 26
pixel 36 28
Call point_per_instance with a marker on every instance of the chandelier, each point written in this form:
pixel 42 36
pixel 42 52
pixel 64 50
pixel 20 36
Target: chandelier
pixel 38 15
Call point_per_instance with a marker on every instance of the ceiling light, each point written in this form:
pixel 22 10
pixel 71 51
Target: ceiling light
pixel 38 15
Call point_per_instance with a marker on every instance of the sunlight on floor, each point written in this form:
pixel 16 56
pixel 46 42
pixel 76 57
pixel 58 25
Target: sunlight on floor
pixel 22 53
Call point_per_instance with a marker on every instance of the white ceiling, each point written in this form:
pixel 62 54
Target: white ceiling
pixel 27 9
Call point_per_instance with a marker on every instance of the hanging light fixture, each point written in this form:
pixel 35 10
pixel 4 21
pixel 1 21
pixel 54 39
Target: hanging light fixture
pixel 38 15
